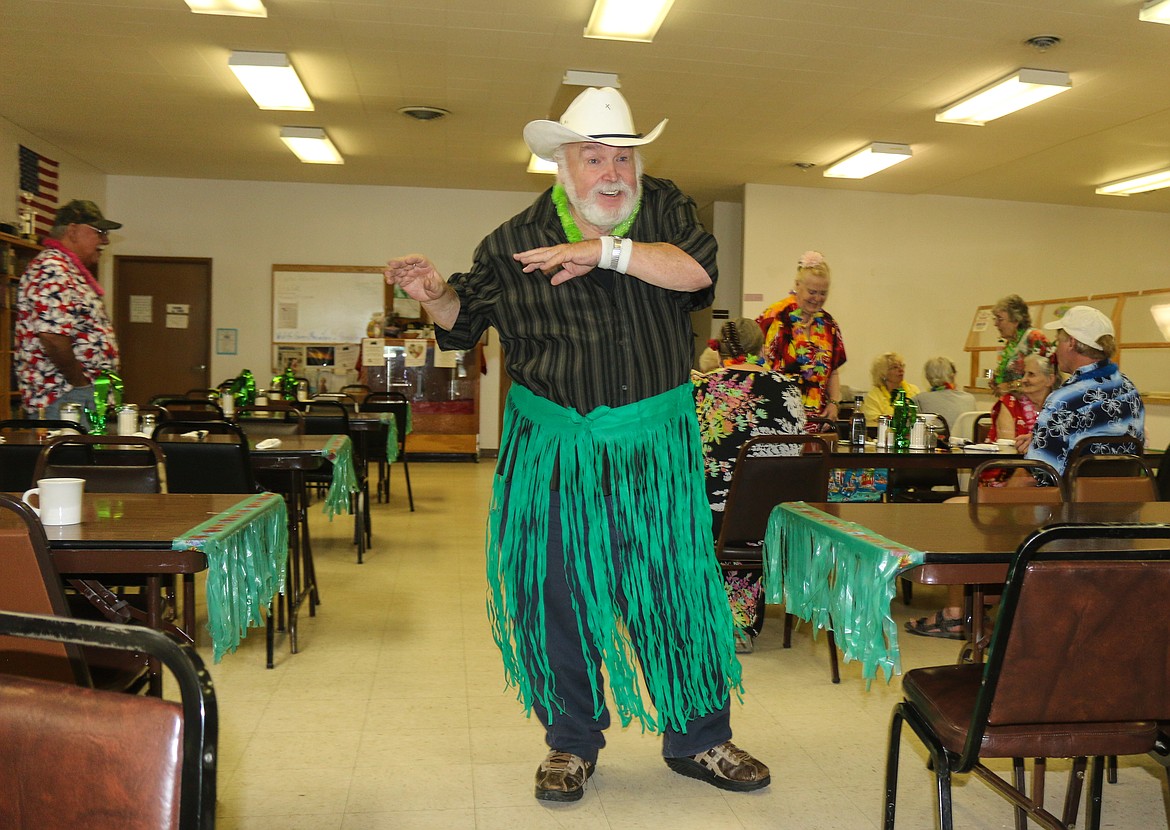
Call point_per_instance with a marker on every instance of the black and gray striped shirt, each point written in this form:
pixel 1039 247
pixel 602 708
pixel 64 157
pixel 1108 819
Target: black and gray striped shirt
pixel 602 339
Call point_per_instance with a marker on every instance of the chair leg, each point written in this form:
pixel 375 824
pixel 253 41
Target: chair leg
pixel 892 752
pixel 907 591
pixel 1072 796
pixel 409 492
pixel 1111 769
pixel 1093 807
pixel 834 670
pixel 787 631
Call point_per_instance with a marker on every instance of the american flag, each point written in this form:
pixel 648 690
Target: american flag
pixel 38 188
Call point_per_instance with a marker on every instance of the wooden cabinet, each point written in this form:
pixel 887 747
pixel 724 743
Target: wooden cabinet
pixel 15 254
pixel 444 398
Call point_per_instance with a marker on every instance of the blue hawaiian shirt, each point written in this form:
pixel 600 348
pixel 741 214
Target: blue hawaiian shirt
pixel 1096 400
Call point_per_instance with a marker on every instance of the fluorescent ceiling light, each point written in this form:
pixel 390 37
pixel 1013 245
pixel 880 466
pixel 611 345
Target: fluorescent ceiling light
pixel 271 80
pixel 1137 184
pixel 311 145
pixel 1022 88
pixel 1155 11
pixel 580 77
pixel 869 160
pixel 538 165
pixel 231 8
pixel 636 20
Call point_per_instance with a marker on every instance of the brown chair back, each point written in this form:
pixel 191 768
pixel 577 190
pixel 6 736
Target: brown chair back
pixel 1084 660
pixel 77 757
pixel 1016 495
pixel 1084 486
pixel 190 409
pixel 31 586
pixel 761 479
pixel 271 420
pixel 112 464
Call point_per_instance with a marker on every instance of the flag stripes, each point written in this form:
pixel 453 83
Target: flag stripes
pixel 38 188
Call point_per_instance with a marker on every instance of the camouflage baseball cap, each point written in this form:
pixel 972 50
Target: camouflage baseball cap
pixel 84 212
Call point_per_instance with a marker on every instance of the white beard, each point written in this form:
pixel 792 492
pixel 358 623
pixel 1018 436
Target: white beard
pixel 604 219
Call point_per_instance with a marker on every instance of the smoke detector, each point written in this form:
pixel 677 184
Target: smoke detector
pixel 1043 43
pixel 420 113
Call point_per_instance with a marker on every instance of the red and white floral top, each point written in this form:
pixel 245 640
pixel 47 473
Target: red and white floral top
pixel 54 297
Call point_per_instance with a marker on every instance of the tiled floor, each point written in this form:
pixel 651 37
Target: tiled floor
pixel 394 713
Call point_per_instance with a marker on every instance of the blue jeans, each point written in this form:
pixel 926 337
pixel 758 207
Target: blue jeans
pixel 78 394
pixel 576 730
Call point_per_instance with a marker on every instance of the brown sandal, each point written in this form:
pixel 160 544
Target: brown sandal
pixel 938 626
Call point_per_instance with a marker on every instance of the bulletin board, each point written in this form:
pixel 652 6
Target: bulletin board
pixel 325 303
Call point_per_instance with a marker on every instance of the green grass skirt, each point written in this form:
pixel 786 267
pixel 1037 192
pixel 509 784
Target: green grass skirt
pixel 677 619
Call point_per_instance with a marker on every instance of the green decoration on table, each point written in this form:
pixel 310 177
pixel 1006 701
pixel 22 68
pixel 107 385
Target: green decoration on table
pixel 247 553
pixel 339 450
pixel 103 384
pixel 288 384
pixel 838 574
pixel 244 388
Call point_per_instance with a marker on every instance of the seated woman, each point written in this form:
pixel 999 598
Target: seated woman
pixel 888 372
pixel 736 402
pixel 1014 414
pixel 943 399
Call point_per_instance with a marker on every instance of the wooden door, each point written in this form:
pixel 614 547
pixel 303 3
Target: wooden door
pixel 162 315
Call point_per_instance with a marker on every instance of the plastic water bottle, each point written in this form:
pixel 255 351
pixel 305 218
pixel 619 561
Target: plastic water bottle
pixel 857 423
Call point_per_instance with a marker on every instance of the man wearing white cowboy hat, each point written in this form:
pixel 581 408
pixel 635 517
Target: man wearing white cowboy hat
pixel 599 536
pixel 1096 401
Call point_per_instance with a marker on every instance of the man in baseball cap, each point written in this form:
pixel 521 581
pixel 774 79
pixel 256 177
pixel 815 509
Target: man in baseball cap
pixel 1096 401
pixel 64 337
pixel 84 212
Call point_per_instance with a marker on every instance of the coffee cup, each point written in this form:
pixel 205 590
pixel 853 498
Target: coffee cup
pixel 58 500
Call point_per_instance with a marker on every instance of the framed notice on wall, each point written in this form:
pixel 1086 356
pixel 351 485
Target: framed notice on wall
pixel 325 303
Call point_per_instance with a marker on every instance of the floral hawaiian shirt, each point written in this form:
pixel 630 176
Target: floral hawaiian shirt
pixel 55 298
pixel 810 352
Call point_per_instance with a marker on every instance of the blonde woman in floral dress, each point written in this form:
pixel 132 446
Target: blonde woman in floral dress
pixel 803 340
pixel 737 401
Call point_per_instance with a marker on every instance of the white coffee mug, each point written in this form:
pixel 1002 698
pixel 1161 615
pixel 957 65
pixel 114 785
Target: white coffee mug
pixel 58 500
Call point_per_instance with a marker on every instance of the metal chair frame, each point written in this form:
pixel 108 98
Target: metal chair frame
pixel 996 702
pixel 200 714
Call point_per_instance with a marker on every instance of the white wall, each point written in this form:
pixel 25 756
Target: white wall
pixel 908 271
pixel 246 227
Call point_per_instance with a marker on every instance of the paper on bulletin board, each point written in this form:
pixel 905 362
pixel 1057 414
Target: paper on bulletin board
pixel 445 360
pixel 345 358
pixel 416 353
pixel 372 354
pixel 177 321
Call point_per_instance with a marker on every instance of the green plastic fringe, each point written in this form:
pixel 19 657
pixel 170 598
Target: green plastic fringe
pixel 671 581
pixel 339 450
pixel 839 575
pixel 247 554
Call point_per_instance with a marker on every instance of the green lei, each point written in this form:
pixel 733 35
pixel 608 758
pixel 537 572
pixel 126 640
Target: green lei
pixel 572 232
pixel 1007 355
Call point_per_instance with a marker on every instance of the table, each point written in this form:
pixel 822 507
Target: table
pixel 240 540
pixel 846 456
pixel 842 559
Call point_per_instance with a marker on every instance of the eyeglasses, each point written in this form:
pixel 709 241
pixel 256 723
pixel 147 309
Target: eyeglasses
pixel 101 234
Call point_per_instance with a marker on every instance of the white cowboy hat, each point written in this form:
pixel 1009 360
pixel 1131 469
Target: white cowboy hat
pixel 600 115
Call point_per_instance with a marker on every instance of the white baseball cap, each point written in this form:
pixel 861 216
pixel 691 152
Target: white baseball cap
pixel 1084 323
